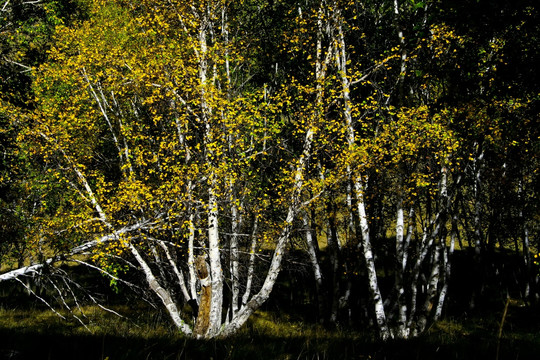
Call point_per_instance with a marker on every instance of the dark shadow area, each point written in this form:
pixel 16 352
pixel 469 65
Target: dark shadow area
pixel 285 328
pixel 28 345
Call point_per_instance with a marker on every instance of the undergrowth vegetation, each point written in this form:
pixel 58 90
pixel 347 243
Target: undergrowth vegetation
pixel 33 332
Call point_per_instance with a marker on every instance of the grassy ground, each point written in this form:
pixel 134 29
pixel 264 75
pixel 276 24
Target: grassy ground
pixel 40 334
pixel 284 329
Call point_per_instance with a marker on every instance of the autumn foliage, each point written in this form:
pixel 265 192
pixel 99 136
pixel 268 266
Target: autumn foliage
pixel 154 133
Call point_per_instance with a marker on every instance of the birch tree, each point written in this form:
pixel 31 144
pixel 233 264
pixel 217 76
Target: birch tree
pixel 148 132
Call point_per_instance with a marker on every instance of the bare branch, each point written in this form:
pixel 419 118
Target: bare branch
pixel 40 298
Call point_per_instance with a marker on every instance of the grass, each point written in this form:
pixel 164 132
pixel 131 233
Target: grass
pixel 34 333
pixel 283 329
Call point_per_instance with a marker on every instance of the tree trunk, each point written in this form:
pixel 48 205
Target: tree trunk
pixel 402 330
pixel 203 317
pixel 314 260
pixel 376 298
pixel 162 293
pixel 216 272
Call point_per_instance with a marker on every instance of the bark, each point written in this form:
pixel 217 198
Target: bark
pixel 424 247
pixel 203 317
pixel 437 248
pixel 433 282
pixel 162 293
pixel 376 297
pixel 192 279
pixel 314 260
pixel 402 330
pixel 234 259
pixel 447 268
pixel 177 271
pixel 251 266
pixel 375 292
pixel 215 266
pixel 275 265
pixel 123 152
pixel 191 259
pixel 447 252
pixel 478 233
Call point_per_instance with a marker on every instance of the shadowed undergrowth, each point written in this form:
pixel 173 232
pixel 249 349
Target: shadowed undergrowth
pixel 40 334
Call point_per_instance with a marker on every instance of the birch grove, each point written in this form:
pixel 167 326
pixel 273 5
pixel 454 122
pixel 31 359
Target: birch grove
pixel 196 143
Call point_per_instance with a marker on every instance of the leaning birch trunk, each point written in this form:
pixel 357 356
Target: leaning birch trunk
pixel 376 298
pixel 234 260
pixel 433 283
pixel 418 319
pixel 275 265
pixel 478 233
pixel 423 249
pixel 446 251
pixel 177 271
pixel 191 279
pixel 162 293
pixel 448 269
pixel 251 266
pixel 317 273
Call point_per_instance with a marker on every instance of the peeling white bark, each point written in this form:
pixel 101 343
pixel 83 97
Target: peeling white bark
pixel 380 314
pixel 215 265
pixel 162 293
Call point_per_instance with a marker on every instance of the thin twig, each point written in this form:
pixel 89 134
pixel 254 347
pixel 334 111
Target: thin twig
pixel 40 298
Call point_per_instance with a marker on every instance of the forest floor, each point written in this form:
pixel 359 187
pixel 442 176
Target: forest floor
pixel 38 333
pixel 284 328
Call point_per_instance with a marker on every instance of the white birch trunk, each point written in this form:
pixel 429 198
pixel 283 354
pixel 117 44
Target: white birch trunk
pixel 376 297
pixel 446 252
pixel 215 266
pixel 177 271
pixel 425 245
pixel 251 266
pixel 275 265
pixel 213 206
pixel 402 330
pixel 191 259
pixel 433 281
pixel 478 235
pixel 234 258
pixel 192 277
pixel 448 269
pixel 314 260
pixel 162 293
